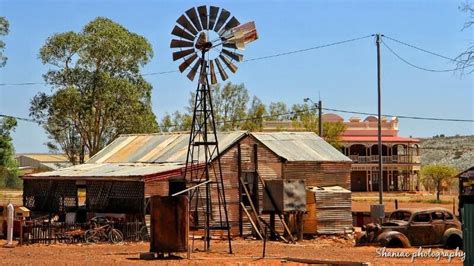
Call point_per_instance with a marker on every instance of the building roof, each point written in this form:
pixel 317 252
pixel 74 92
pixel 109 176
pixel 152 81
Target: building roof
pixel 44 157
pixel 468 173
pixel 155 148
pixel 124 171
pixel 375 139
pixel 300 146
pixel 158 156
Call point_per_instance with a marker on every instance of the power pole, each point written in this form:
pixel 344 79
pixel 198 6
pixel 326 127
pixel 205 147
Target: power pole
pixel 378 38
pixel 320 113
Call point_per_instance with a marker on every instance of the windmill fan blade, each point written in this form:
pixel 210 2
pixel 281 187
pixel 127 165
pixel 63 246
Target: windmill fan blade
pixel 212 16
pixel 181 54
pixel 221 70
pixel 237 57
pixel 203 74
pixel 230 45
pixel 183 21
pixel 193 71
pixel 180 43
pixel 194 18
pixel 203 16
pixel 221 20
pixel 187 62
pixel 233 22
pixel 177 31
pixel 213 72
pixel 228 63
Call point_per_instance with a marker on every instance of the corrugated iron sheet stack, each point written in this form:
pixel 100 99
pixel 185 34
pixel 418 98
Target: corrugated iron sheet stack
pixel 332 209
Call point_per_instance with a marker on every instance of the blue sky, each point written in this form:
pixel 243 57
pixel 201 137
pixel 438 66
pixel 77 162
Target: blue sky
pixel 344 75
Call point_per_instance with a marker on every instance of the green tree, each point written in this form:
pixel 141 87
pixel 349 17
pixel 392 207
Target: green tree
pixel 305 116
pixel 230 105
pixel 98 91
pixel 278 111
pixel 434 176
pixel 4 28
pixel 177 121
pixel 255 115
pixel 332 132
pixel 8 164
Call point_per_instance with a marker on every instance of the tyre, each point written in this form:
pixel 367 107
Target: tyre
pixel 362 240
pixel 144 234
pixel 91 237
pixel 115 236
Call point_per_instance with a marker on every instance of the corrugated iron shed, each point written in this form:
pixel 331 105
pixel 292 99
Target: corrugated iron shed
pixel 155 148
pixel 300 146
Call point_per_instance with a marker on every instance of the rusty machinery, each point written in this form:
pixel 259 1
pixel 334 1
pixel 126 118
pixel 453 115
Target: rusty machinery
pixel 207 38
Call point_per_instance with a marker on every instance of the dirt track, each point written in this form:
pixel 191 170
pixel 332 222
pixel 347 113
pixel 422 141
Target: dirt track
pixel 247 252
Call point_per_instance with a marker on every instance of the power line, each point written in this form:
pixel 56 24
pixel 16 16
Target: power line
pixel 341 111
pixel 304 111
pixel 23 84
pixel 308 49
pixel 248 60
pixel 415 66
pixel 160 73
pixel 420 49
pixel 403 116
pixel 19 118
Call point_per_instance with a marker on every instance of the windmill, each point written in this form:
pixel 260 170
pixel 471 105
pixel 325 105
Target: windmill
pixel 208 37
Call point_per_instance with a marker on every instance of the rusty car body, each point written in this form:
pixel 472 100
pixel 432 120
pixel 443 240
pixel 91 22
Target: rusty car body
pixel 415 227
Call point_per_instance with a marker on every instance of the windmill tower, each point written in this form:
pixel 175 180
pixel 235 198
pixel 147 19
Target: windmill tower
pixel 208 37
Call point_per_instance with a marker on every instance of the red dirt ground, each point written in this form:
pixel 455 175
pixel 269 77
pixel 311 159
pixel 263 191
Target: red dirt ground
pixel 246 252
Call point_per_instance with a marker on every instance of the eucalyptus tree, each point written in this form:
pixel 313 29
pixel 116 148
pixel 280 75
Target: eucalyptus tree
pixel 97 91
pixel 8 164
pixel 4 28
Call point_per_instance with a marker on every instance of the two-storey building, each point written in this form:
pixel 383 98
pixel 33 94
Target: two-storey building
pixel 400 155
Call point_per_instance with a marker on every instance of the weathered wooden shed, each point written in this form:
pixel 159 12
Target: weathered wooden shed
pixel 157 163
pixel 276 155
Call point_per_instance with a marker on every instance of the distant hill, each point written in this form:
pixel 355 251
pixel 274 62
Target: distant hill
pixel 457 151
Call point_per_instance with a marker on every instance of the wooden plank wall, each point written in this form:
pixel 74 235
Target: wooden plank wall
pixel 269 166
pixel 319 173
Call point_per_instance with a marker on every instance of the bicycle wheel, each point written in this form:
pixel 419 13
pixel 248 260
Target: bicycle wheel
pixel 115 236
pixel 90 236
pixel 144 234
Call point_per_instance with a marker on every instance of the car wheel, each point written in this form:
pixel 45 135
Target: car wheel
pixel 362 240
pixel 453 242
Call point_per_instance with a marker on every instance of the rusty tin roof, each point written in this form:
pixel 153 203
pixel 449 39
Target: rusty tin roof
pixel 300 146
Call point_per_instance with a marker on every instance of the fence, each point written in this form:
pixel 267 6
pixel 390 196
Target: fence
pixel 54 232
